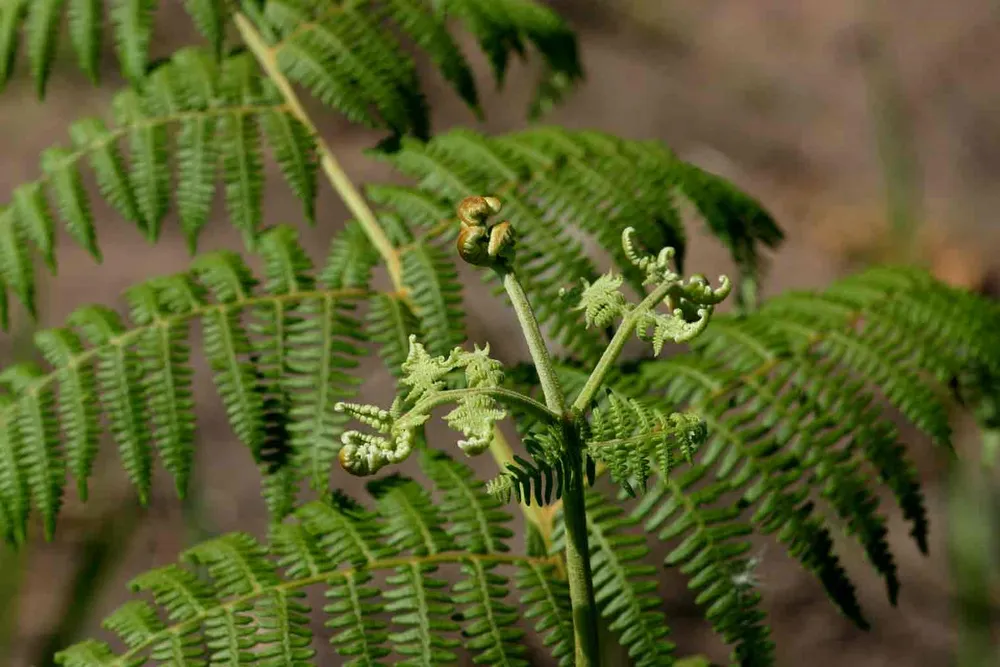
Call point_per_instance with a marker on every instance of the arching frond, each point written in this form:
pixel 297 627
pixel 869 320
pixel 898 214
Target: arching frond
pixel 789 398
pixel 280 354
pixel 251 604
pixel 215 113
pixel 345 52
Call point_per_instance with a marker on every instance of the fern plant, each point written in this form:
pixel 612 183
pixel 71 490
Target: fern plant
pixel 780 418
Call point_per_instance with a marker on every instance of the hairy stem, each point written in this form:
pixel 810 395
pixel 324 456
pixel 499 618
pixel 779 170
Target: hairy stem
pixel 338 178
pixel 614 349
pixel 554 398
pixel 578 571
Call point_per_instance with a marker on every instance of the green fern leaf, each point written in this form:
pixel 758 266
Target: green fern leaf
pixel 32 212
pixel 164 353
pixel 430 33
pixel 227 344
pixel 209 17
pixel 133 27
pixel 36 435
pixel 418 601
pixel 87 654
pixel 295 151
pixel 78 400
pixel 118 375
pixel 85 34
pixel 11 15
pixel 435 290
pixel 43 23
pixel 14 488
pixel 712 554
pixel 390 323
pixel 548 604
pixel 90 135
pixel 137 624
pixel 15 264
pixel 488 620
pixel 477 522
pixel 68 190
pixel 150 173
pixel 350 260
pixel 354 608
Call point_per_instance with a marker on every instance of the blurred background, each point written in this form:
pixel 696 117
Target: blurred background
pixel 870 128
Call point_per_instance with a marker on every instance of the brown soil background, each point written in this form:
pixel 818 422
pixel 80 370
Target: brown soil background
pixel 774 94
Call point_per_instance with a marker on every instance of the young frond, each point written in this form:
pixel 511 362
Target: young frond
pixel 477 408
pixel 554 185
pixel 631 438
pixel 541 478
pixel 280 354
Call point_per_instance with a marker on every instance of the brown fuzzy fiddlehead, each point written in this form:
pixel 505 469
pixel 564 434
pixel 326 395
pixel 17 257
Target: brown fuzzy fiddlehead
pixel 480 243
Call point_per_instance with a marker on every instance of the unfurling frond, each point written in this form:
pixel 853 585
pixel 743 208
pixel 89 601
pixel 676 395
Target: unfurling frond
pixel 690 303
pixel 477 408
pixel 279 353
pixel 556 184
pixel 631 438
pixel 234 599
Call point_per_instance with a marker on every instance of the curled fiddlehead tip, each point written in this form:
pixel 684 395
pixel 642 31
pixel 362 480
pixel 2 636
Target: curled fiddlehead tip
pixel 480 243
pixel 477 209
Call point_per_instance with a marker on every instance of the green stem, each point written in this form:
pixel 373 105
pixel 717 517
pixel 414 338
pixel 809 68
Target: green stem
pixel 578 571
pixel 554 398
pixel 614 349
pixel 350 195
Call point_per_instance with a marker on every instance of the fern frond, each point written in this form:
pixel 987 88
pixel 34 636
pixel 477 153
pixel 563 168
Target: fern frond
pixel 429 273
pixel 216 115
pixel 251 607
pixel 630 438
pixel 712 554
pixel 540 478
pixel 787 395
pixel 280 355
